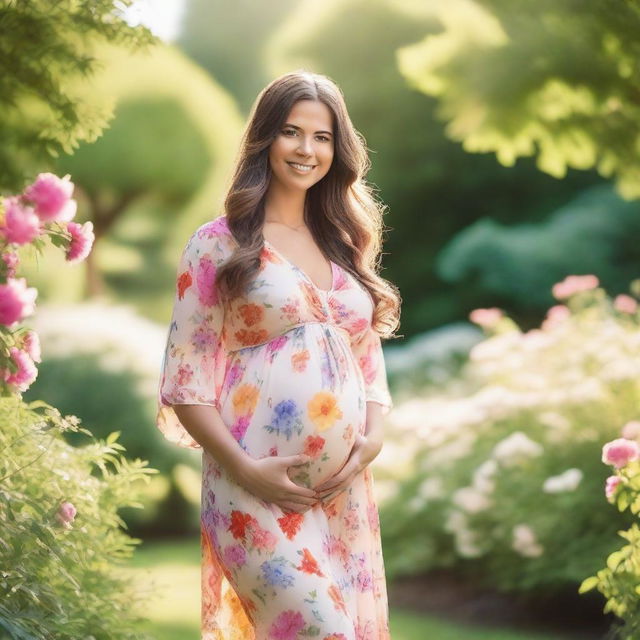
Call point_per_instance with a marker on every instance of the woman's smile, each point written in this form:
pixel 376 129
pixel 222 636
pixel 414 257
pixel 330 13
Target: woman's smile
pixel 301 168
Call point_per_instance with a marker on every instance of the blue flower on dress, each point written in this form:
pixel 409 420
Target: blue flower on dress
pixel 286 418
pixel 274 572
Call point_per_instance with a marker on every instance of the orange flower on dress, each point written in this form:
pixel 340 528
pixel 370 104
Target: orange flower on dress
pixel 184 282
pixel 309 564
pixel 290 524
pixel 245 399
pixel 313 445
pixel 251 313
pixel 323 410
pixel 336 596
pixel 299 360
pixel 249 338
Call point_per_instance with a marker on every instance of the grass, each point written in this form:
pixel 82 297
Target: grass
pixel 170 573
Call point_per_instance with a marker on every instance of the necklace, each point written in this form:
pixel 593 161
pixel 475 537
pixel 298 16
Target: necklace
pixel 287 225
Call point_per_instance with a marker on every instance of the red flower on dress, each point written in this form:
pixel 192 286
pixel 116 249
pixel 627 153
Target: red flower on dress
pixel 239 522
pixel 251 313
pixel 309 564
pixel 290 524
pixel 249 338
pixel 184 282
pixel 313 445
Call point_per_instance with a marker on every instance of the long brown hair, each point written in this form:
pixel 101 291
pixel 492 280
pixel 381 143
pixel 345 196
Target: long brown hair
pixel 341 211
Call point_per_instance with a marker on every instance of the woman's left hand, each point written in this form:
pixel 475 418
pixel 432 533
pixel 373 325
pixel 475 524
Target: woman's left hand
pixel 362 453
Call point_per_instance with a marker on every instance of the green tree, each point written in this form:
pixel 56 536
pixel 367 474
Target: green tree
pixel 171 138
pixel 554 80
pixel 46 59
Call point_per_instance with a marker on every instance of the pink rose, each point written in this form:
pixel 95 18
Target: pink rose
pixel 620 451
pixel 82 238
pixel 486 317
pixel 574 284
pixel 66 514
pixel 25 373
pixel 21 224
pixel 611 485
pixel 16 301
pixel 31 344
pixel 52 198
pixel 625 304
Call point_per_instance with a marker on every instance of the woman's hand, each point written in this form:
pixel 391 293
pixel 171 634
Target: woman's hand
pixel 267 479
pixel 362 454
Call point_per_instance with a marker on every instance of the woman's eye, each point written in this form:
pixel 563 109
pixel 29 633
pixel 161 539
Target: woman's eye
pixel 324 138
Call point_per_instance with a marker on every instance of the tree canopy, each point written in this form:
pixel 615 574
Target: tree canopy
pixel 553 79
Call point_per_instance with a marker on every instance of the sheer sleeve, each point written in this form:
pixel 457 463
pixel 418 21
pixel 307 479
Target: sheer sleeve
pixel 194 359
pixel 370 358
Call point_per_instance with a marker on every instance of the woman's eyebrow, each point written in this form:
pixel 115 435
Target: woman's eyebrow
pixel 288 124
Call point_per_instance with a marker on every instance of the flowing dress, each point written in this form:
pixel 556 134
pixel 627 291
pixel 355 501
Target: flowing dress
pixel 290 368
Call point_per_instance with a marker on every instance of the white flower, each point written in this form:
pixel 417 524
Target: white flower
pixel 471 500
pixel 431 488
pixel 525 542
pixel 467 543
pixel 567 481
pixel 456 521
pixel 483 476
pixel 416 503
pixel 513 448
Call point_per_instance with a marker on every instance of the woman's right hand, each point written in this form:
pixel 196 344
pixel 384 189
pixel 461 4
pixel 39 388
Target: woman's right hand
pixel 267 479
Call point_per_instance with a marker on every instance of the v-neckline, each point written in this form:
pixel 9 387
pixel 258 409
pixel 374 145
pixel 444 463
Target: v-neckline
pixel 304 273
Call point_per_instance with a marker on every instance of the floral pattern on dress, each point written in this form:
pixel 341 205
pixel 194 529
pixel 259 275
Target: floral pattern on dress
pixel 290 368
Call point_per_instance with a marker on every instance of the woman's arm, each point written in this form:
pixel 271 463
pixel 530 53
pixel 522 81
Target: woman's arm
pixel 205 426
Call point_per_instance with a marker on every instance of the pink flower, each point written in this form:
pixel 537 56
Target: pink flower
pixel 555 315
pixel 205 279
pixel 66 514
pixel 239 427
pixel 31 344
pixel 16 301
pixel 286 626
pixel 26 372
pixel 52 198
pixel 235 554
pixel 263 539
pixel 10 258
pixel 486 317
pixel 611 485
pixel 574 284
pixel 364 581
pixel 82 238
pixel 620 451
pixel 21 224
pixel 625 304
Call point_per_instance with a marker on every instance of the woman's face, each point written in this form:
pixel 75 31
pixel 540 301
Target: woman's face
pixel 305 138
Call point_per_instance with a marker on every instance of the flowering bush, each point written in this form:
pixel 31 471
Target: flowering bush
pixel 60 535
pixel 619 580
pixel 494 465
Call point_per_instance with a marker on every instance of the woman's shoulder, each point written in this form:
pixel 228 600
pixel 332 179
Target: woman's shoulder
pixel 213 237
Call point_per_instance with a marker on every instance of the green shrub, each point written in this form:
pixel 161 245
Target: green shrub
pixel 62 580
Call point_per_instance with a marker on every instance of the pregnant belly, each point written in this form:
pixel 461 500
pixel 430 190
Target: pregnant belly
pixel 318 411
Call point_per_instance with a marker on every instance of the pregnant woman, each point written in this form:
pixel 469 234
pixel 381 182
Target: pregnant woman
pixel 274 368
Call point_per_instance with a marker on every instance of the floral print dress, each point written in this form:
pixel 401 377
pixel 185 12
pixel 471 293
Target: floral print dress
pixel 290 368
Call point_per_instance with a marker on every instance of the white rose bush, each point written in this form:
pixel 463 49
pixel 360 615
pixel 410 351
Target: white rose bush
pixel 502 472
pixel 61 537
